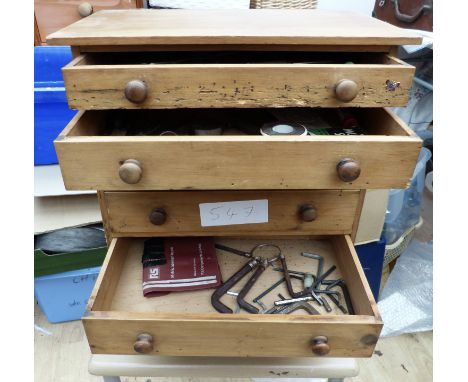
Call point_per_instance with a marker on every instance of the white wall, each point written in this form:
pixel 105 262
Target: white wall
pixel 361 6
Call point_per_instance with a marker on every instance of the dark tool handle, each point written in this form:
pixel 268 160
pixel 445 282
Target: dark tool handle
pixel 324 276
pixel 299 305
pixel 233 280
pixel 347 297
pixel 410 18
pixel 264 293
pixel 326 305
pixel 288 277
pixel 240 297
pixel 338 304
pixel 232 250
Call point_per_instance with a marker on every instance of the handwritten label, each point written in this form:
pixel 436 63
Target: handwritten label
pixel 230 213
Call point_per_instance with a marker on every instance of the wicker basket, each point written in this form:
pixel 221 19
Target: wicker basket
pixel 301 4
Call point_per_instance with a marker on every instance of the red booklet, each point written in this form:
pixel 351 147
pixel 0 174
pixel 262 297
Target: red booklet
pixel 190 264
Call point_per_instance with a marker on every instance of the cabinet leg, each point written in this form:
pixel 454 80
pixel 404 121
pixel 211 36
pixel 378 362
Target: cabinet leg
pixel 111 379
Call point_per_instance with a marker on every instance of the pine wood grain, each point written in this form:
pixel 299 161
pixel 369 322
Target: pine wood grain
pixel 237 162
pixel 184 323
pixel 235 85
pixel 53 15
pixel 63 356
pixel 259 26
pixel 128 212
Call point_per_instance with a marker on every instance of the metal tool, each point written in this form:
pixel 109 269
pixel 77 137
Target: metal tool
pixel 302 275
pixel 268 290
pixel 344 289
pixel 299 305
pixel 236 307
pixel 326 305
pixel 322 277
pixel 240 298
pixel 293 300
pixel 233 250
pixel 338 304
pixel 233 280
pixel 250 283
pixel 315 257
pixel 287 276
pixel 263 307
pixel 308 286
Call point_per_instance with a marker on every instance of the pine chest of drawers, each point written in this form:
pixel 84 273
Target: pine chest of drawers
pixel 160 65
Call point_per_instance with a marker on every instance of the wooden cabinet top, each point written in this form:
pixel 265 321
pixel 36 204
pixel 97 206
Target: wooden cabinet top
pixel 230 27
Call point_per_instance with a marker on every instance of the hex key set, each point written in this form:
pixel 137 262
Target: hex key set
pixel 316 287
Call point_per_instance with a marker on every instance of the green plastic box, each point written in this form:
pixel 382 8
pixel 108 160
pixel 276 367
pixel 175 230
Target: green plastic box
pixel 48 264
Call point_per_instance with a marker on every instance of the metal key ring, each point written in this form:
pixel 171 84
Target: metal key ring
pixel 272 260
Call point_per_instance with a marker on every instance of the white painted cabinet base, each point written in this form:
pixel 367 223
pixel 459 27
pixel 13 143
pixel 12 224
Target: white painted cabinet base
pixel 209 367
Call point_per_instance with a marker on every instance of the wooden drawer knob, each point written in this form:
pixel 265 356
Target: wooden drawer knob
pixel 320 345
pixel 346 90
pixel 85 9
pixel 308 213
pixel 158 216
pixel 348 169
pixel 143 343
pixel 130 171
pixel 136 91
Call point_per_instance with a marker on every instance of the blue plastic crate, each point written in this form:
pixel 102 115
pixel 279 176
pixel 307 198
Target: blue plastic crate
pixel 371 256
pixel 63 296
pixel 51 112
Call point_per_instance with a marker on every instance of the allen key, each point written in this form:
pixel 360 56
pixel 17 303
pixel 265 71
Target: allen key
pixel 233 280
pixel 240 297
pixel 233 250
pixel 316 257
pixel 340 282
pixel 299 305
pixel 320 279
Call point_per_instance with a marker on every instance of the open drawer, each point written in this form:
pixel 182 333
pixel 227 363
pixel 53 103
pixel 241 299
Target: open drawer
pixel 186 324
pixel 148 80
pixel 93 157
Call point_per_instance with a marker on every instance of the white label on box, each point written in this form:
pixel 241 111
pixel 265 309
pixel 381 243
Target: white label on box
pixel 229 213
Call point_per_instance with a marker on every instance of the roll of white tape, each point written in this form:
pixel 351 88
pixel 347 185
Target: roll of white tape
pixel 278 128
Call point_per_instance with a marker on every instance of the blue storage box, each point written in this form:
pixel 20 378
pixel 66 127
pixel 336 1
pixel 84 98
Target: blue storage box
pixel 51 112
pixel 371 256
pixel 63 296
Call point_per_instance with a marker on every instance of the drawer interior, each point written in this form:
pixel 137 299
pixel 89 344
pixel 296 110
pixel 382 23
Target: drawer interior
pixel 169 124
pixel 235 57
pixel 186 324
pixel 119 287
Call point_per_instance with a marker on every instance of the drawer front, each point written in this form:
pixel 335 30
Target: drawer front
pixel 53 15
pixel 91 86
pixel 177 213
pixel 185 324
pixel 90 161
